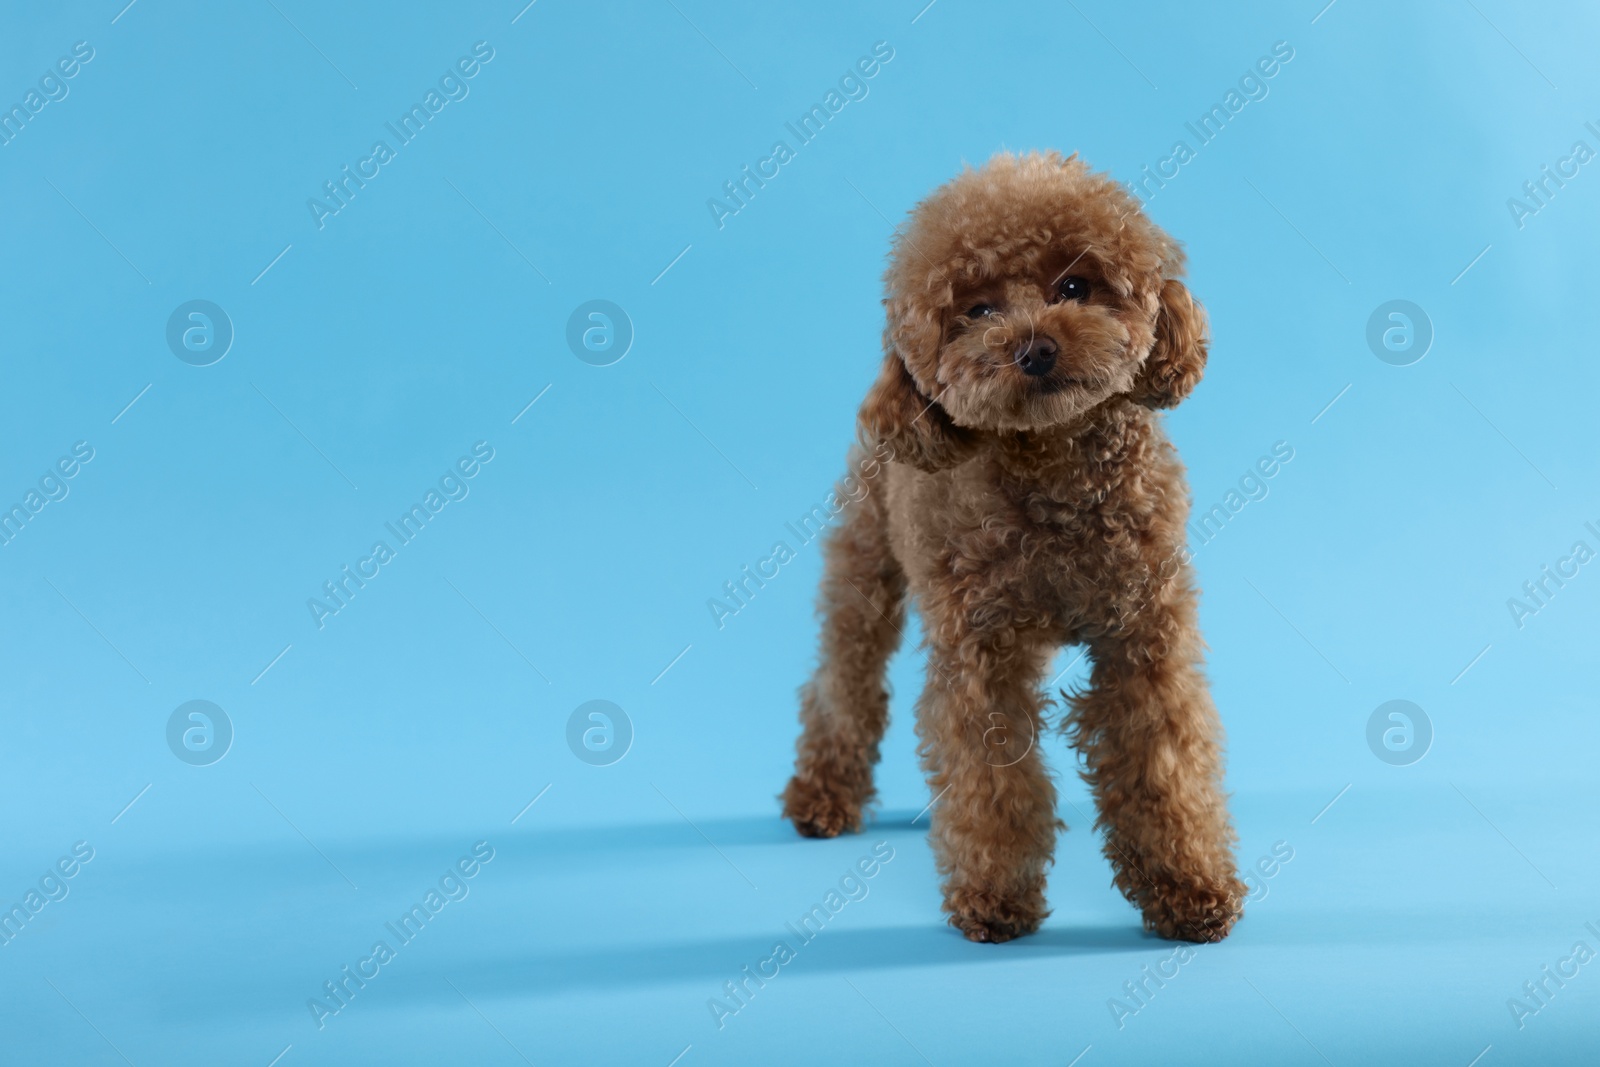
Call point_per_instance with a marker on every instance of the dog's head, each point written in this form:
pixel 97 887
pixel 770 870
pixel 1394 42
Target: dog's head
pixel 1019 296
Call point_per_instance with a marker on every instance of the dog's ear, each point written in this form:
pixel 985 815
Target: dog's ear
pixel 897 418
pixel 1178 357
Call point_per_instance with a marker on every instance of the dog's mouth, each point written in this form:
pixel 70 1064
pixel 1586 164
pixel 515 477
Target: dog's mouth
pixel 1052 385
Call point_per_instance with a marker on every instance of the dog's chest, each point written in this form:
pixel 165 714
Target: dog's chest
pixel 1080 526
pixel 1053 536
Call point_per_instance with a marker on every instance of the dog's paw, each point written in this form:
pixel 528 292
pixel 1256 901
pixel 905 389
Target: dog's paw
pixel 818 809
pixel 988 917
pixel 1201 911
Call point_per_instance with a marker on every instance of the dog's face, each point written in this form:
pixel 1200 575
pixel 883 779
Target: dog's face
pixel 1037 347
pixel 1020 296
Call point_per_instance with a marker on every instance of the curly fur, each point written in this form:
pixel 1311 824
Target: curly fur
pixel 1022 511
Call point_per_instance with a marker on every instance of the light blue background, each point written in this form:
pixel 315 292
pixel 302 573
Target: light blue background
pixel 428 713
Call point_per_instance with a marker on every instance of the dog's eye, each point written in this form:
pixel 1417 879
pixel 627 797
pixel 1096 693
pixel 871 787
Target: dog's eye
pixel 1073 288
pixel 980 311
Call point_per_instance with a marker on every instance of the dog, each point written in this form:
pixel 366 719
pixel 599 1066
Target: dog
pixel 1021 492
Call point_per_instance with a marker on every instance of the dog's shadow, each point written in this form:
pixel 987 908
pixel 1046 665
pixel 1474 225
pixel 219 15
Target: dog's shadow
pixel 841 946
pixel 714 961
pixel 600 842
pixel 485 943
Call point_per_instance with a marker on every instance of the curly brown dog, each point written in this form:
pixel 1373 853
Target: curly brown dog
pixel 1030 500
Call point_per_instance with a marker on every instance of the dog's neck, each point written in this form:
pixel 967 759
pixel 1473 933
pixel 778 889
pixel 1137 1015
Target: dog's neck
pixel 1098 438
pixel 1061 473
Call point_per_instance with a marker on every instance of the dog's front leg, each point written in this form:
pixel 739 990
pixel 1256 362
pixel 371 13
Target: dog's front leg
pixel 994 819
pixel 1152 743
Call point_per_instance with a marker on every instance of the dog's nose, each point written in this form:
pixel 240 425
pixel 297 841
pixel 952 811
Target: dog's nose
pixel 1037 356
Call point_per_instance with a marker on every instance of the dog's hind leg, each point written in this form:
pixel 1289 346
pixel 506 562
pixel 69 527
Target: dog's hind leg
pixel 1152 743
pixel 844 708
